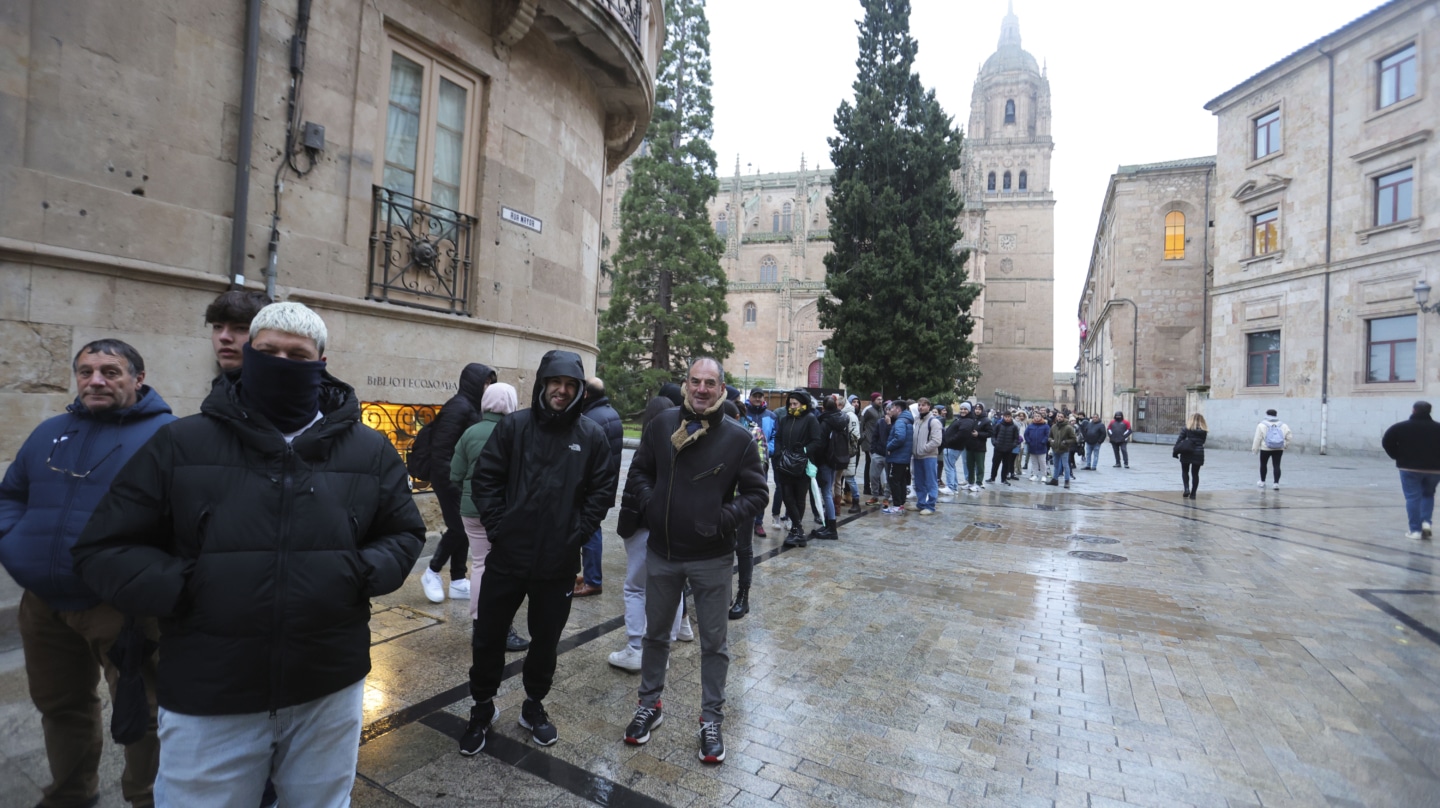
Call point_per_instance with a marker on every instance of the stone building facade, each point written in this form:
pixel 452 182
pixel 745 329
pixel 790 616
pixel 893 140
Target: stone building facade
pixel 1326 217
pixel 776 230
pixel 1142 308
pixel 451 213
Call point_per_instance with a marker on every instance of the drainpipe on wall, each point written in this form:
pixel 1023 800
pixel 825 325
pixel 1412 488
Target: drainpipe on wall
pixel 1205 288
pixel 1329 209
pixel 240 207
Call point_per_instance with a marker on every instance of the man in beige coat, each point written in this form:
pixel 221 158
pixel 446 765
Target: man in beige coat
pixel 926 458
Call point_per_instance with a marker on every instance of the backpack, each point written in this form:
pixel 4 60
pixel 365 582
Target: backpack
pixel 1274 436
pixel 837 454
pixel 854 443
pixel 417 461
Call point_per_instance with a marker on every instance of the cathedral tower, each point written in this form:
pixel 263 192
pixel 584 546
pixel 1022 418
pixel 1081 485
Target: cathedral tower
pixel 1007 155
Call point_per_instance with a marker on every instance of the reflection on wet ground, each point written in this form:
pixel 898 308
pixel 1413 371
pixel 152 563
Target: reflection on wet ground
pixel 1248 648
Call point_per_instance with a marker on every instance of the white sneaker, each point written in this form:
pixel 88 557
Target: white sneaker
pixel 685 634
pixel 1425 530
pixel 1260 484
pixel 460 590
pixel 433 586
pixel 1034 478
pixel 945 489
pixel 1277 486
pixel 1411 534
pixel 775 523
pixel 627 658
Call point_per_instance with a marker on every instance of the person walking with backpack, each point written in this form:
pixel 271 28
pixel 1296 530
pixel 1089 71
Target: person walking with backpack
pixel 1271 437
pixel 1190 449
pixel 1119 430
pixel 1094 434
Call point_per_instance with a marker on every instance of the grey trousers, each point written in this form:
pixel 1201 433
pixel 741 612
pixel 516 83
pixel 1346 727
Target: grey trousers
pixel 710 585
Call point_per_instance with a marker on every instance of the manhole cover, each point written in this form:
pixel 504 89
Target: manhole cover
pixel 1046 508
pixel 988 525
pixel 1091 555
pixel 1092 539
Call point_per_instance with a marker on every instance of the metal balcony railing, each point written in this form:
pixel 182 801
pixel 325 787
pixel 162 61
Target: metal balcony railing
pixel 420 253
pixel 629 13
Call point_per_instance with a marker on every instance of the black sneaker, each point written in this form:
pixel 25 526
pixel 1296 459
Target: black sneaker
pixel 712 746
pixel 514 642
pixel 481 717
pixel 645 720
pixel 533 718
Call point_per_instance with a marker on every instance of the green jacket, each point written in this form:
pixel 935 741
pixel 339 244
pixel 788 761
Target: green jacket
pixel 467 451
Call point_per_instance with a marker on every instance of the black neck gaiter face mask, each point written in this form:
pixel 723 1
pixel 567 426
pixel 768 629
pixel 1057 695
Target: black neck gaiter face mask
pixel 285 391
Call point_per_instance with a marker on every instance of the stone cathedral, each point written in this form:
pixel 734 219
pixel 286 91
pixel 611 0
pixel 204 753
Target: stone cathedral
pixel 776 232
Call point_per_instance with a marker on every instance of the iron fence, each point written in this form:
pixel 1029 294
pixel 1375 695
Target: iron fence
pixel 399 423
pixel 419 253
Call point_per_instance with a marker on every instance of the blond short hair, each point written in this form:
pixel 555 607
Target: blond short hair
pixel 291 318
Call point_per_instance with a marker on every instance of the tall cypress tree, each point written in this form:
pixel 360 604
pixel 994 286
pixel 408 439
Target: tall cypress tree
pixel 896 292
pixel 668 294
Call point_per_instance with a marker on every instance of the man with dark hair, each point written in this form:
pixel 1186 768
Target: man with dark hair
pixel 458 414
pixel 257 531
pixel 598 409
pixel 1414 444
pixel 229 317
pixel 48 494
pixel 694 480
pixel 542 486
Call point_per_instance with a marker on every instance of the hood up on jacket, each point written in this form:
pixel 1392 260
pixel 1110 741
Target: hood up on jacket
pixel 473 380
pixel 558 363
pixel 672 391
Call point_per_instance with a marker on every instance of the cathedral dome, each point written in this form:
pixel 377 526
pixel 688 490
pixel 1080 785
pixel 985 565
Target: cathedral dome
pixel 1008 54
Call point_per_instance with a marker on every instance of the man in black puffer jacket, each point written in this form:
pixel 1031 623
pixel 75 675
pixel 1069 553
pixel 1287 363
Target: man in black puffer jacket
pixel 257 531
pixel 542 486
pixel 458 414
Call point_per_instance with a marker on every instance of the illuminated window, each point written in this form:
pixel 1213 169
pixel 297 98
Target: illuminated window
pixel 1024 180
pixel 749 314
pixel 429 143
pixel 1393 196
pixel 1007 181
pixel 786 222
pixel 1391 343
pixel 1009 110
pixel 1262 366
pixel 1174 235
pixel 990 182
pixel 1267 133
pixel 1267 231
pixel 769 273
pixel 399 423
pixel 1397 76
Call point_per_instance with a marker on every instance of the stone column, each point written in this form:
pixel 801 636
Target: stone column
pixel 1195 397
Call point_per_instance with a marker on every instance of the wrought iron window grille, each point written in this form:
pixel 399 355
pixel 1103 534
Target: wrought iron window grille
pixel 399 423
pixel 420 253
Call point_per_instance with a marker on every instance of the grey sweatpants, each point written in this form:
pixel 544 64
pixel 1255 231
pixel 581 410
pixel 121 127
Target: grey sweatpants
pixel 710 586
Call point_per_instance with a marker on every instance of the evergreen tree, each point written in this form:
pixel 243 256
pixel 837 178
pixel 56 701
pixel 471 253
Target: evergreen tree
pixel 896 292
pixel 668 293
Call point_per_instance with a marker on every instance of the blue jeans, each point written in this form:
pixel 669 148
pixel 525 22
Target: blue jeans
pixel 1092 455
pixel 951 479
pixel 1062 466
pixel 308 750
pixel 825 476
pixel 590 559
pixel 926 488
pixel 1419 488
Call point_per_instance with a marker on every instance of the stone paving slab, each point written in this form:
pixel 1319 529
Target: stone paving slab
pixel 1253 647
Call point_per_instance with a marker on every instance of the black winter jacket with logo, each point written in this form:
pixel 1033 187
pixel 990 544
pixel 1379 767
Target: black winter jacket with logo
pixel 258 556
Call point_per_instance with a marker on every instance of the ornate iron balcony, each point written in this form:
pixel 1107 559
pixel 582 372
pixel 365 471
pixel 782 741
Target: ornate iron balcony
pixel 629 13
pixel 419 253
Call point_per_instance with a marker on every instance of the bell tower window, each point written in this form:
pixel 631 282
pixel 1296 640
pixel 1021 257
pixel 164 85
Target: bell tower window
pixel 1023 181
pixel 1009 110
pixel 1007 181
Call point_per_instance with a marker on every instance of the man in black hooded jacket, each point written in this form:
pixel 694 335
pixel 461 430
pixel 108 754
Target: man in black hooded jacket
pixel 458 414
pixel 257 531
pixel 542 486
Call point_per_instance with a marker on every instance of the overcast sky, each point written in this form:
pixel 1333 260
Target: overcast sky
pixel 1129 80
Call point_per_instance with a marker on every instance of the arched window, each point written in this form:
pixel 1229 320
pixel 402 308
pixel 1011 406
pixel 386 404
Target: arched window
pixel 775 222
pixel 786 222
pixel 1007 180
pixel 722 227
pixel 749 314
pixel 1009 110
pixel 769 273
pixel 1024 181
pixel 990 182
pixel 1174 235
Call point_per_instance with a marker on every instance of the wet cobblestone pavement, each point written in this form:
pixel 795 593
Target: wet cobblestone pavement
pixel 1248 647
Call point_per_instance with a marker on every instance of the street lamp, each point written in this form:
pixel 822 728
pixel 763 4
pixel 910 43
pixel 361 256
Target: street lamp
pixel 820 357
pixel 1422 294
pixel 747 377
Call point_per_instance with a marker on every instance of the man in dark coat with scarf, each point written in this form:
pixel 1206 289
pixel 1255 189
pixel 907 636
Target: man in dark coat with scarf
pixel 257 531
pixel 458 414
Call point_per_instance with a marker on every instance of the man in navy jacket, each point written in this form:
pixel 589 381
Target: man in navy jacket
pixel 49 492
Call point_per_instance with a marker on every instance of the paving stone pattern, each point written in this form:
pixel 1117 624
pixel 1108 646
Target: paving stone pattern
pixel 1256 647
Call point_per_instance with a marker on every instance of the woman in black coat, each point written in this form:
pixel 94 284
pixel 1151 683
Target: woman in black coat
pixel 1190 448
pixel 797 432
pixel 1007 437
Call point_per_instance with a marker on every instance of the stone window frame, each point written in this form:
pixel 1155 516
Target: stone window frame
pixel 1022 182
pixel 1375 76
pixel 1010 110
pixel 1254 220
pixel 769 262
pixel 1385 193
pixel 990 183
pixel 1279 356
pixel 1388 158
pixel 751 315
pixel 722 225
pixel 435 66
pixel 1180 233
pixel 1397 385
pixel 1252 159
pixel 1006 183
